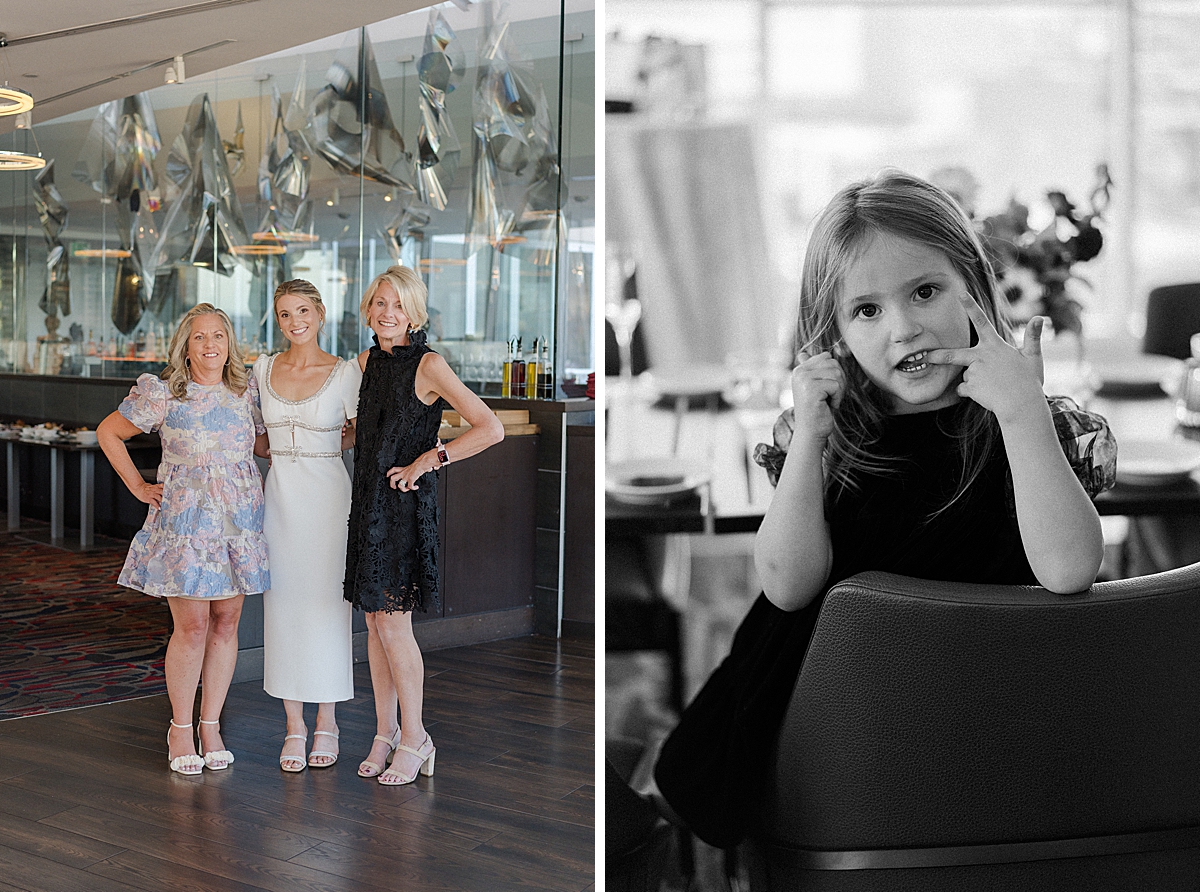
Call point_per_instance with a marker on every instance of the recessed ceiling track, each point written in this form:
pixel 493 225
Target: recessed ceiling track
pixel 117 77
pixel 190 9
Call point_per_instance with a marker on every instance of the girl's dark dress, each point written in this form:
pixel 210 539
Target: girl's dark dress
pixel 733 721
pixel 392 545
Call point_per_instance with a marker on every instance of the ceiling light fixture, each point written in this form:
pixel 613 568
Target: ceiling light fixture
pixel 175 71
pixel 14 101
pixel 285 235
pixel 264 250
pixel 21 161
pixel 103 252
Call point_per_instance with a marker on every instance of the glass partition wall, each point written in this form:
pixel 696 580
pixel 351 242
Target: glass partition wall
pixel 457 142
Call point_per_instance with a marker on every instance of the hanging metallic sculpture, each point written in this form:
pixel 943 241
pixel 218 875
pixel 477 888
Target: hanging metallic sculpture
pixel 408 223
pixel 358 138
pixel 235 152
pixel 205 223
pixel 53 214
pixel 118 162
pixel 438 73
pixel 515 193
pixel 284 170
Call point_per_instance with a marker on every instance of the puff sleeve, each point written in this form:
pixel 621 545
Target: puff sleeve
pixel 1087 442
pixel 350 384
pixel 146 405
pixel 771 457
pixel 255 402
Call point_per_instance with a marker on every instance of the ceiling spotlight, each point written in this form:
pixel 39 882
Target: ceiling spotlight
pixel 175 71
pixel 335 199
pixel 24 121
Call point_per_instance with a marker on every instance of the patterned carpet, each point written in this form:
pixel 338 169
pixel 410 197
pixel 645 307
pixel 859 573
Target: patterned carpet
pixel 69 635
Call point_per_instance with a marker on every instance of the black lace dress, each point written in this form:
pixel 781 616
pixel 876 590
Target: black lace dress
pixel 391 552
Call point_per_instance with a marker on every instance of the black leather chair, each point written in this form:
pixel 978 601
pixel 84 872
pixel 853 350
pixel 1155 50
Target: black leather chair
pixel 1172 317
pixel 954 737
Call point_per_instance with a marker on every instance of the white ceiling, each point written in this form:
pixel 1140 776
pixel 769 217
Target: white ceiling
pixel 74 55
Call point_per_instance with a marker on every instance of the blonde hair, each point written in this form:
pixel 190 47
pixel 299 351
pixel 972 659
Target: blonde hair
pixel 409 288
pixel 301 288
pixel 177 374
pixel 904 206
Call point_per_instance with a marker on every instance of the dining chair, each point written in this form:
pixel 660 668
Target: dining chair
pixel 945 736
pixel 637 614
pixel 1172 317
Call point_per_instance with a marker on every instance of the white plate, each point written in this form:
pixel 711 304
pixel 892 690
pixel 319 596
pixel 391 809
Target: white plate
pixel 649 481
pixel 1156 462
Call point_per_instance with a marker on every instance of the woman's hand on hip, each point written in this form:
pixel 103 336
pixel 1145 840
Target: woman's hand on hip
pixel 406 478
pixel 150 493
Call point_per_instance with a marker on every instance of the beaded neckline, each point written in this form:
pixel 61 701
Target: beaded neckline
pixel 328 380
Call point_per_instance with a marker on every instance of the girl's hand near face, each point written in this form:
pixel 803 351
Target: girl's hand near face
pixel 1000 377
pixel 817 387
pixel 1060 528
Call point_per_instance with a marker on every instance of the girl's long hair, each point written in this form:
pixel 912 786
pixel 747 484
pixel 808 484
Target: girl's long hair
pixel 908 207
pixel 177 374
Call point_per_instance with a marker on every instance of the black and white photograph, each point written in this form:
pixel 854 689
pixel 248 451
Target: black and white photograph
pixel 901 392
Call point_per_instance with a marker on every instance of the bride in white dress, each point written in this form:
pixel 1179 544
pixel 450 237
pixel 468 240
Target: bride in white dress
pixel 309 402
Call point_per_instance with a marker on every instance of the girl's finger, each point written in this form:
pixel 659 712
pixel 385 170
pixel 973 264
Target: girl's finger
pixel 962 356
pixel 1033 337
pixel 983 325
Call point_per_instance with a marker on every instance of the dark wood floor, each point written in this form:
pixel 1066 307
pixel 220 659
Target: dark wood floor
pixel 87 801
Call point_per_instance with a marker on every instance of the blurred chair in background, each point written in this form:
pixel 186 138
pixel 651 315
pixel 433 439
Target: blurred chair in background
pixel 1172 317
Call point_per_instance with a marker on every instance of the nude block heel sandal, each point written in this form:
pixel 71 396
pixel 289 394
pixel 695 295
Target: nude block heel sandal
pixel 425 752
pixel 392 743
pixel 192 764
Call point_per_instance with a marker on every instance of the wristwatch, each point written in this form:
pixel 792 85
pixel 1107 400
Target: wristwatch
pixel 442 454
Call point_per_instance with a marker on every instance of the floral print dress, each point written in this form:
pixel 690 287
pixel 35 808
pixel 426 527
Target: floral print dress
pixel 206 540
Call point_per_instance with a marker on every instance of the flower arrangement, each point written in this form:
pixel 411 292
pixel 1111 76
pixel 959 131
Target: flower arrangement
pixel 1034 267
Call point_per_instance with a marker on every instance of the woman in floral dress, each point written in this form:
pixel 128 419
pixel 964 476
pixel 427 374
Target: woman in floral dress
pixel 202 546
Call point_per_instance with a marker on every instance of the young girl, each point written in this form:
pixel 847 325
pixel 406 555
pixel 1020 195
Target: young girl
pixel 920 443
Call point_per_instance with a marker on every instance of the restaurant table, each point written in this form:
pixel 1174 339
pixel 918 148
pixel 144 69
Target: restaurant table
pixel 739 493
pixel 87 485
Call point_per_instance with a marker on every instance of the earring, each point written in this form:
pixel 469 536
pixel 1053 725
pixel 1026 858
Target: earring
pixel 187 363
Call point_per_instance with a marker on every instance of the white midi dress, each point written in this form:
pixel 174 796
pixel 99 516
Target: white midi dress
pixel 306 621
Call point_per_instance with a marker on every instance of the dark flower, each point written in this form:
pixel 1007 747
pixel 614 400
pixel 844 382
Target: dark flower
pixel 1033 268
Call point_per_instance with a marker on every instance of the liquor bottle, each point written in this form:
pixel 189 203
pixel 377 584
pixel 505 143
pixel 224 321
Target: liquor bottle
pixel 531 371
pixel 518 373
pixel 506 374
pixel 151 345
pixel 92 349
pixel 545 385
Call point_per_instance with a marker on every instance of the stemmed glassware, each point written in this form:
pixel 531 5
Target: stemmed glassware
pixel 621 313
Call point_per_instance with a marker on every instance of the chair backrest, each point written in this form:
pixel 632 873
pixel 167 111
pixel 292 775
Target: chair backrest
pixel 1172 317
pixel 964 736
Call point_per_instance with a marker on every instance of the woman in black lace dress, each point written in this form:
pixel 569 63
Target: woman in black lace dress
pixel 391 554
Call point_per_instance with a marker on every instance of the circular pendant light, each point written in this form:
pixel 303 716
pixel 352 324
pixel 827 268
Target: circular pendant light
pixel 14 101
pixel 20 161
